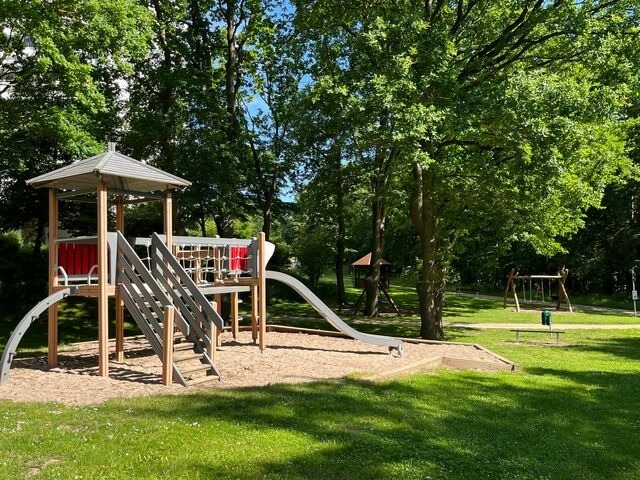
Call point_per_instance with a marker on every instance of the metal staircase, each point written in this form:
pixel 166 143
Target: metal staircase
pixel 146 292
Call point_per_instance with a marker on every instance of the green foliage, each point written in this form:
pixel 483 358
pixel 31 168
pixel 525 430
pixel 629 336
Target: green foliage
pixel 58 77
pixel 507 119
pixel 23 276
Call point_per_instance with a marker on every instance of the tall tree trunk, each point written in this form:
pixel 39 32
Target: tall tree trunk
pixel 431 280
pixel 372 280
pixel 167 98
pixel 340 239
pixel 41 221
pixel 266 223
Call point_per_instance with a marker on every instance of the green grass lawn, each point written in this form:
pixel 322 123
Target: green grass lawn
pixel 571 413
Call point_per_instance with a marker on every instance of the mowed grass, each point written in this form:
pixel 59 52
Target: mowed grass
pixel 571 413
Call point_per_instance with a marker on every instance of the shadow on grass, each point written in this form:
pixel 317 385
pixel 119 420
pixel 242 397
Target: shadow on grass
pixel 623 347
pixel 448 426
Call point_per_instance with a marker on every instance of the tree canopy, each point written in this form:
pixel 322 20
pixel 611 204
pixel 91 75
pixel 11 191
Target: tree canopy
pixel 460 127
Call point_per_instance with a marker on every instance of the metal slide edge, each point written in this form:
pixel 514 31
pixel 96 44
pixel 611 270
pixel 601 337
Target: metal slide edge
pixel 330 316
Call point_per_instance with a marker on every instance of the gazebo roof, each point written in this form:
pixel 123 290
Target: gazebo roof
pixel 118 171
pixel 366 261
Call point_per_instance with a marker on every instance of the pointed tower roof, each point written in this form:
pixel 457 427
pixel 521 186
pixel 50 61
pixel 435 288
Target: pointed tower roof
pixel 118 171
pixel 366 261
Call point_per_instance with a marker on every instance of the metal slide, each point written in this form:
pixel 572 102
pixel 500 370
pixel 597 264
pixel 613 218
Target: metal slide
pixel 33 314
pixel 331 317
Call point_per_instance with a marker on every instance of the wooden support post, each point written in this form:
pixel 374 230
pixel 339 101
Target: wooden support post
pixel 563 278
pixel 52 358
pixel 254 313
pixel 119 302
pixel 217 298
pixel 262 291
pixel 103 298
pixel 213 333
pixel 515 295
pixel 506 288
pixel 168 219
pixel 167 345
pixel 233 299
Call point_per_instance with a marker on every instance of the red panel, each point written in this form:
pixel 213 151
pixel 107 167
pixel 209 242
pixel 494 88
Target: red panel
pixel 84 259
pixel 62 256
pixel 77 258
pixel 93 256
pixel 238 260
pixel 70 259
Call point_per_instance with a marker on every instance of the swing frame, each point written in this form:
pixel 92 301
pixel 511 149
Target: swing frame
pixel 561 277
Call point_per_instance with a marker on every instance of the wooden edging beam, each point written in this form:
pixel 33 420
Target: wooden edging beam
pixel 504 364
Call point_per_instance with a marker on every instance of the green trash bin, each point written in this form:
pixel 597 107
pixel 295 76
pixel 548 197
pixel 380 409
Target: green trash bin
pixel 546 317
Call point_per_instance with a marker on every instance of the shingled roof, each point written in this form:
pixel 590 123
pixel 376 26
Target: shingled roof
pixel 118 171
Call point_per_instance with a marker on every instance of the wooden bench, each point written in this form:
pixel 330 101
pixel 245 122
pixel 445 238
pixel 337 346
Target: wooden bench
pixel 529 330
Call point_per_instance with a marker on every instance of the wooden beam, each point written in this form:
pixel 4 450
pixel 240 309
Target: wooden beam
pixel 119 302
pixel 506 288
pixel 262 291
pixel 168 218
pixel 103 298
pixel 563 278
pixel 52 334
pixel 233 299
pixel 515 295
pixel 254 312
pixel 167 345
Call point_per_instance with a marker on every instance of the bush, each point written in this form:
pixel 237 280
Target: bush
pixel 23 275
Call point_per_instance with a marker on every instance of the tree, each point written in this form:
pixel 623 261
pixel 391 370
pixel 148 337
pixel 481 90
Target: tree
pixel 272 114
pixel 59 66
pixel 492 109
pixel 361 67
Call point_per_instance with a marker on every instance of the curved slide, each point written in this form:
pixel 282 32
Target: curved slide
pixel 330 316
pixel 31 316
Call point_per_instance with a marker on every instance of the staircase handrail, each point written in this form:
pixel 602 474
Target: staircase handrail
pixel 184 290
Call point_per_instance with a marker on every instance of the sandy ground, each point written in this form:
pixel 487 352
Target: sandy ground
pixel 289 358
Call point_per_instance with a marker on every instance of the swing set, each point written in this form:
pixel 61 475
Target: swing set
pixel 536 288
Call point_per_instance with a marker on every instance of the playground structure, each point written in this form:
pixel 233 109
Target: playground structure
pixel 172 290
pixel 361 268
pixel 536 288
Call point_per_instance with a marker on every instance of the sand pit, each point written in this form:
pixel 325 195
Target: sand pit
pixel 289 358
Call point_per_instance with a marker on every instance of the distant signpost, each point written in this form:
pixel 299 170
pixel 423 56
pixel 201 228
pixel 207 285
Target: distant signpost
pixel 634 292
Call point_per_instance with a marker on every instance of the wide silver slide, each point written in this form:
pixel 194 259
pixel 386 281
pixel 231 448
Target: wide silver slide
pixel 330 316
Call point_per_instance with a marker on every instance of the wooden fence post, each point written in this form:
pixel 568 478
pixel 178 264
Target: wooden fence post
pixel 167 347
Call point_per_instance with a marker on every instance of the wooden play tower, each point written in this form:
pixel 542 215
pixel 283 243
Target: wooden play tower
pixel 171 285
pixel 110 173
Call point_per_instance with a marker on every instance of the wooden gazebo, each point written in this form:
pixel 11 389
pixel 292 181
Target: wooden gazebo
pixel 124 179
pixel 361 268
